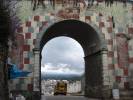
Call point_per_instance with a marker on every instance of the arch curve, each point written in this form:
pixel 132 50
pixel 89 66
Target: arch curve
pixel 84 33
pixel 92 42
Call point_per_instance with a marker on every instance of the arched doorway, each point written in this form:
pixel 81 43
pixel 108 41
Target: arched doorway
pixel 62 60
pixel 93 44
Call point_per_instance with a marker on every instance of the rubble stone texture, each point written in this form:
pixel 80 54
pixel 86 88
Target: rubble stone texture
pixel 118 58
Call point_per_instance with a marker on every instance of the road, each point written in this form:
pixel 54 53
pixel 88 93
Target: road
pixel 65 98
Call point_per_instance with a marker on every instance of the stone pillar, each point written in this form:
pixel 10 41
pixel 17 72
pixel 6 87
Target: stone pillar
pixel 3 73
pixel 130 51
pixel 107 81
pixel 121 72
pixel 98 77
pixel 130 46
pixel 93 75
pixel 105 67
pixel 36 73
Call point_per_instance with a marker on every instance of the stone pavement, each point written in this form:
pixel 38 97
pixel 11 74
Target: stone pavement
pixel 66 98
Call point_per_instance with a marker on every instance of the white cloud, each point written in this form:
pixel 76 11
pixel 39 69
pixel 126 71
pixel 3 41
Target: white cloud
pixel 60 69
pixel 62 55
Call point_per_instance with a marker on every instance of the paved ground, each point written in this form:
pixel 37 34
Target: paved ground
pixel 66 98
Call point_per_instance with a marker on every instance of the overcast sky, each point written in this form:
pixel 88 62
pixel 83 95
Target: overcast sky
pixel 62 55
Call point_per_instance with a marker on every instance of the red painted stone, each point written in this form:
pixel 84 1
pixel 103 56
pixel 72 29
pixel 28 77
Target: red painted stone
pixel 26 47
pixel 26 61
pixel 131 60
pixel 27 35
pixel 100 14
pixel 122 48
pixel 36 18
pixel 126 72
pixel 28 24
pixel 20 39
pixel 109 29
pixel 110 42
pixel 101 24
pixel 111 66
pixel 20 30
pixel 118 78
pixel 126 85
pixel 88 18
pixel 130 30
pixel 30 87
pixel 122 35
pixel 110 54
pixel 111 24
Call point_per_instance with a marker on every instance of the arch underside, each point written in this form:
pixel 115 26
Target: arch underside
pixel 91 42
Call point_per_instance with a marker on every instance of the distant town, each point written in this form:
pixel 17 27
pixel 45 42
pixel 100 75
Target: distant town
pixel 74 87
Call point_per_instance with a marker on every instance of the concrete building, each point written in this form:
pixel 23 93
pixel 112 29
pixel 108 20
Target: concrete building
pixel 73 87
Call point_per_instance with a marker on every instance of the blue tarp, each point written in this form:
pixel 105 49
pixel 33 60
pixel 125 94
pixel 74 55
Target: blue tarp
pixel 15 72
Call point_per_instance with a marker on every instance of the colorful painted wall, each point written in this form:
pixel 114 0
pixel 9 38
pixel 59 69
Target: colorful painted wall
pixel 119 63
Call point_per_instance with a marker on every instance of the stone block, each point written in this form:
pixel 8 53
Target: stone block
pixel 110 66
pixel 101 24
pixel 36 18
pixel 28 23
pixel 30 54
pixel 110 60
pixel 29 42
pixel 26 61
pixel 27 35
pixel 131 60
pixel 25 54
pixel 110 48
pixel 125 71
pixel 130 54
pixel 26 47
pixel 115 54
pixel 110 54
pixel 130 30
pixel 47 18
pixel 20 30
pixel 30 29
pixel 39 24
pixel 109 29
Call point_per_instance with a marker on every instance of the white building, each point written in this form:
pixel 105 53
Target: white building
pixel 72 86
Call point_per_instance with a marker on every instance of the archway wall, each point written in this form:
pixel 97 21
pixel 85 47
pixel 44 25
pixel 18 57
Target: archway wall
pixel 130 52
pixel 130 69
pixel 124 49
pixel 33 30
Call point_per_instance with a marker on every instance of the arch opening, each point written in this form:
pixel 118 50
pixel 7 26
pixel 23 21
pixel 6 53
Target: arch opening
pixel 62 60
pixel 91 42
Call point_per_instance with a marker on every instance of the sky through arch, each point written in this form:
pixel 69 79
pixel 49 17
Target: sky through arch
pixel 62 56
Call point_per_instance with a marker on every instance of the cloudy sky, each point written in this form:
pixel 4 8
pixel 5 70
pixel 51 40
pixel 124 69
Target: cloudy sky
pixel 62 55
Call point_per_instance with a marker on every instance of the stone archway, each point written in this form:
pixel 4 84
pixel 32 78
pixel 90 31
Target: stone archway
pixel 94 47
pixel 35 27
pixel 98 43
